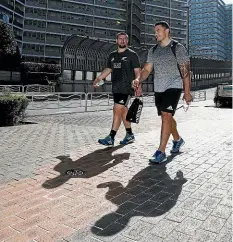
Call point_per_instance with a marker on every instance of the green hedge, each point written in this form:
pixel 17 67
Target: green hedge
pixel 28 67
pixel 12 109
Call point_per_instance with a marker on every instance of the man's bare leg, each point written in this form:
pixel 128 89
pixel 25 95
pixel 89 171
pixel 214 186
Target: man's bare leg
pixel 123 116
pixel 174 131
pixel 117 116
pixel 165 130
pixel 129 138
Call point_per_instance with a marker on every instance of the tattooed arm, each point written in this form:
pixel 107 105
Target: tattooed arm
pixel 185 72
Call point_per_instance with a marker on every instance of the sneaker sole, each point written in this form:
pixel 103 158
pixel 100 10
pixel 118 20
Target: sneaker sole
pixel 131 141
pixel 173 152
pixel 154 162
pixel 106 144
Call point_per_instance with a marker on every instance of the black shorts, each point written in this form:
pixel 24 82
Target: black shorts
pixel 122 99
pixel 167 101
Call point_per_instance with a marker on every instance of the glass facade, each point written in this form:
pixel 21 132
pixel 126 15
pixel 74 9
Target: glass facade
pixel 42 26
pixel 208 33
pixel 49 23
pixel 228 8
pixel 172 11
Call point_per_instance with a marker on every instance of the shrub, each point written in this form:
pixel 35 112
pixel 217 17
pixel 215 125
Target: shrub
pixel 36 73
pixel 40 67
pixel 12 109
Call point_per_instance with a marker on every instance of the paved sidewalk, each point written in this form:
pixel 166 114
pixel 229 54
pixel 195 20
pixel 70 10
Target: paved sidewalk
pixel 120 197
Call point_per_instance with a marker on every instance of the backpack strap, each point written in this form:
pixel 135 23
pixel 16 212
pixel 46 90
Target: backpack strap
pixel 154 48
pixel 173 48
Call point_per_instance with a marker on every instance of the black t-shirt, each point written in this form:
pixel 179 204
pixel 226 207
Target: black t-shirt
pixel 122 65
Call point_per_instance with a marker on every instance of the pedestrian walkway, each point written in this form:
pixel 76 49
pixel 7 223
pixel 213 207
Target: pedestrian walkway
pixel 117 195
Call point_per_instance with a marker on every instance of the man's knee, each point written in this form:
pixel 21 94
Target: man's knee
pixel 166 116
pixel 118 109
pixel 124 110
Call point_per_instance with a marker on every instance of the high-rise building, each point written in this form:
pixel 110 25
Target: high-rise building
pixel 228 45
pixel 42 26
pixel 172 11
pixel 48 23
pixel 207 29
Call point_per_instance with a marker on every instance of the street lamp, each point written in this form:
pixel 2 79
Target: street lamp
pixel 187 27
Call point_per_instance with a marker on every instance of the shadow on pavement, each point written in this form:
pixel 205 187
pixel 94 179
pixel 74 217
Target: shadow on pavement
pixel 150 193
pixel 226 106
pixel 89 165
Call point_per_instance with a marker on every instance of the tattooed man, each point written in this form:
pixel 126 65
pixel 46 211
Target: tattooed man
pixel 171 74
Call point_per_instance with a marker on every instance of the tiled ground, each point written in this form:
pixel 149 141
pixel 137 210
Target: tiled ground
pixel 120 197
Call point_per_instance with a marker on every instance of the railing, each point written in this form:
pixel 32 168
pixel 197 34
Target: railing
pixel 9 88
pixel 57 101
pixel 86 102
pixel 27 88
pixel 43 97
pixel 38 88
pixel 86 86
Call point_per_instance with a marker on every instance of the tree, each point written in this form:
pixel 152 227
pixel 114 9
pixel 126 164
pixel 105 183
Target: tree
pixel 8 44
pixel 9 51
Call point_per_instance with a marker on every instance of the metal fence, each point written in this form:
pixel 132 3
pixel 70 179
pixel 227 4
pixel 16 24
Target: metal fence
pixel 92 101
pixel 8 88
pixel 58 101
pixel 27 88
pixel 43 97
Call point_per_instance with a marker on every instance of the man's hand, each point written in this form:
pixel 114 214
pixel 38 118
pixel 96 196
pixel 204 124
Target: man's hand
pixel 138 91
pixel 95 82
pixel 135 84
pixel 188 97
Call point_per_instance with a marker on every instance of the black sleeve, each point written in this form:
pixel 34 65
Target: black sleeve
pixel 109 65
pixel 135 61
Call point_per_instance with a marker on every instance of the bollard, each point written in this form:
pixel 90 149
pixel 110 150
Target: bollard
pixel 86 96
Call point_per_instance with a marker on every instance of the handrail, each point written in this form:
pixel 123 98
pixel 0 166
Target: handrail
pixel 91 101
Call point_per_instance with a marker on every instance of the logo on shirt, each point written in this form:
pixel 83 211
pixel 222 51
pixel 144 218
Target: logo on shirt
pixel 116 65
pixel 170 108
pixel 112 59
pixel 124 58
pixel 121 102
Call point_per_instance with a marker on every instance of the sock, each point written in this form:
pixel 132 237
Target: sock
pixel 112 134
pixel 129 131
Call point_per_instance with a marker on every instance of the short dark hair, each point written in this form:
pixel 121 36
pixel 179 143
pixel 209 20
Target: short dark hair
pixel 122 33
pixel 164 24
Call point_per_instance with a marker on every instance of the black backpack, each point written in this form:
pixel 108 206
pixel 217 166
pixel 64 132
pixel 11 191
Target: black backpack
pixel 173 48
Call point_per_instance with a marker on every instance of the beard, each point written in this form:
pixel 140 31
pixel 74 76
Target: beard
pixel 122 46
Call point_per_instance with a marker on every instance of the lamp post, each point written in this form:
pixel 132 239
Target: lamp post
pixel 187 26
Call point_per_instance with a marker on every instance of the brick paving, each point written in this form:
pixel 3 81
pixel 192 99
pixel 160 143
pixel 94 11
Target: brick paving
pixel 120 197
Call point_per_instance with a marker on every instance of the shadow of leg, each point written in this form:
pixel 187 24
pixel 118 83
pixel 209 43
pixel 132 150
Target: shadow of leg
pixel 55 182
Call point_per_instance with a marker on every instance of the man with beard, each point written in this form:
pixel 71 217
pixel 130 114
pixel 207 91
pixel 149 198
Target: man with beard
pixel 124 66
pixel 171 74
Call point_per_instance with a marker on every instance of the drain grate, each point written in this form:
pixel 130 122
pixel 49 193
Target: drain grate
pixel 74 172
